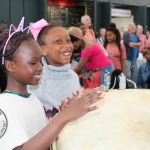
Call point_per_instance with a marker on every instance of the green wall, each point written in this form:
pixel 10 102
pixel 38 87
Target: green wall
pixel 13 10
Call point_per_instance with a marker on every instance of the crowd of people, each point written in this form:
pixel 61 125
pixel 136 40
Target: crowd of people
pixel 128 52
pixel 40 68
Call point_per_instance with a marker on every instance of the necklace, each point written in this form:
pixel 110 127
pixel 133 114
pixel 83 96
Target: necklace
pixel 15 93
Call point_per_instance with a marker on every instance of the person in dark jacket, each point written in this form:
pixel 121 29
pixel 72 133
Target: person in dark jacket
pixel 132 44
pixel 102 32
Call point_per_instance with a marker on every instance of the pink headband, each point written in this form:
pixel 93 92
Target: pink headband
pixel 35 28
pixel 20 28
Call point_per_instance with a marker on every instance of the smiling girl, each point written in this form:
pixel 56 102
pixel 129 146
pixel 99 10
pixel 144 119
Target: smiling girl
pixel 58 80
pixel 27 129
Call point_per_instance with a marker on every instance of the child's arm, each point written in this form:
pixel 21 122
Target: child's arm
pixel 76 109
pixel 81 64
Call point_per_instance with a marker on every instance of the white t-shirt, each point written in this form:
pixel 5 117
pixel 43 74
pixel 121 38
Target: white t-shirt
pixel 25 118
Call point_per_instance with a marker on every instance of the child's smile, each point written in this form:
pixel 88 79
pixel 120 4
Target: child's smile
pixel 66 54
pixel 38 77
pixel 58 47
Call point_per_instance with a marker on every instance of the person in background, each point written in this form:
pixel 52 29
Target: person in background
pixel 116 51
pixel 148 38
pixel 112 25
pixel 77 53
pixel 143 39
pixel 144 71
pixel 147 34
pixel 90 35
pixel 102 33
pixel 81 26
pixel 132 44
pixel 92 57
pixel 96 34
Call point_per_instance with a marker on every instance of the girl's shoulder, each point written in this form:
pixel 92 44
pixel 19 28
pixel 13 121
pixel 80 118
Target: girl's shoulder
pixel 88 45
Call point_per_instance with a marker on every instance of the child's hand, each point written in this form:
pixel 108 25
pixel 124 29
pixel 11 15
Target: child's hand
pixel 65 104
pixel 67 101
pixel 80 104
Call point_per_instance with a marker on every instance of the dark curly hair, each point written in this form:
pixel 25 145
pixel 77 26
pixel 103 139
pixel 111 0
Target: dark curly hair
pixel 11 49
pixel 112 25
pixel 118 37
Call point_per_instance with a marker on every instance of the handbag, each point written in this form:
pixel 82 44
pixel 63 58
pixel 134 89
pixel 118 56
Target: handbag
pixel 118 80
pixel 91 79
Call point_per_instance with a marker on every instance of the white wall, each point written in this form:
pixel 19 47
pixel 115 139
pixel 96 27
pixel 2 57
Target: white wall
pixel 122 23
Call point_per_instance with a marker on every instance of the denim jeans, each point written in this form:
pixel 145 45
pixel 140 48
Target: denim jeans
pixel 131 71
pixel 103 70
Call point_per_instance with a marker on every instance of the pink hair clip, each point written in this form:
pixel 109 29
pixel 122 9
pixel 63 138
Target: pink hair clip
pixel 20 28
pixel 36 27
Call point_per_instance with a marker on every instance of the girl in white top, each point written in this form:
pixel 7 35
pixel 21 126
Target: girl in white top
pixel 23 124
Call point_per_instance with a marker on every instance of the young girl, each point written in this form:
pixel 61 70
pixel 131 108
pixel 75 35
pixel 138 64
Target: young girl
pixel 144 71
pixel 77 53
pixel 116 50
pixel 92 57
pixel 24 118
pixel 58 80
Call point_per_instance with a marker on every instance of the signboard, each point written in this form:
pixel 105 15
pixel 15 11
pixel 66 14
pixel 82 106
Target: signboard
pixel 65 16
pixel 62 2
pixel 120 12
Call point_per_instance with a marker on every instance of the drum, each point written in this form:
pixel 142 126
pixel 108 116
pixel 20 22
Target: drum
pixel 121 123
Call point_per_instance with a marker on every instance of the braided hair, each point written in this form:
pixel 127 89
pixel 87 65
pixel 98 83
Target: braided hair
pixel 11 49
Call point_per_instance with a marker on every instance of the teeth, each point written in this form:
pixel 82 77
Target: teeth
pixel 66 54
pixel 37 76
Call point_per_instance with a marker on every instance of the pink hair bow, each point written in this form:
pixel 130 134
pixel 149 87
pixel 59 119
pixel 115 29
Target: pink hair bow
pixel 20 28
pixel 36 27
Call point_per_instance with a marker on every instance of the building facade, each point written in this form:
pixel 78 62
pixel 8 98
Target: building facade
pixel 68 12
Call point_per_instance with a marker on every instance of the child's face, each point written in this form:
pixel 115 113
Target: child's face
pixel 58 47
pixel 147 55
pixel 110 36
pixel 76 45
pixel 27 66
pixel 83 29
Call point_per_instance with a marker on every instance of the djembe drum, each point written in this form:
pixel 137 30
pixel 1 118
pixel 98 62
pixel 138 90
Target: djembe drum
pixel 121 123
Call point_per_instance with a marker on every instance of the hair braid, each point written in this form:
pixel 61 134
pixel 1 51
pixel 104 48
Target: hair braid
pixel 12 45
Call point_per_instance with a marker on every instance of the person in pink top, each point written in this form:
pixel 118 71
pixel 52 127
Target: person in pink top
pixel 90 35
pixel 143 39
pixel 116 51
pixel 92 57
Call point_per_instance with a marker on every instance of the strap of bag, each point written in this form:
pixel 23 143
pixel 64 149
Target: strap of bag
pixel 101 47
